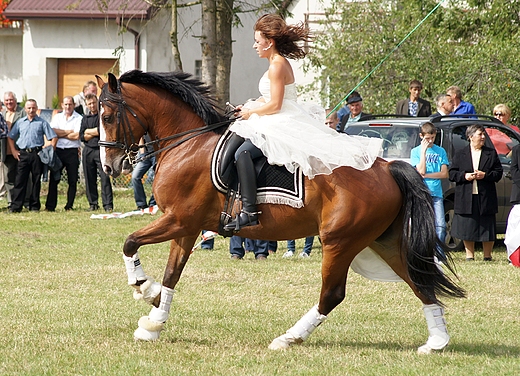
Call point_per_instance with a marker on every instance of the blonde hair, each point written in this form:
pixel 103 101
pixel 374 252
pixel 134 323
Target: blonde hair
pixel 502 108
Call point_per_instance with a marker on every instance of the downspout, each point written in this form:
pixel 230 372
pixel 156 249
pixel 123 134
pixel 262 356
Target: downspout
pixel 137 36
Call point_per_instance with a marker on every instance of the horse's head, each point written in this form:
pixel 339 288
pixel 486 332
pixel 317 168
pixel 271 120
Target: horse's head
pixel 119 133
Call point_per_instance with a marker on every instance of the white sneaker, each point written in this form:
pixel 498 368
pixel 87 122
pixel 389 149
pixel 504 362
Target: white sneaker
pixel 304 255
pixel 288 254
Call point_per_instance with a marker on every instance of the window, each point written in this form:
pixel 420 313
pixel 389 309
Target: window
pixel 198 69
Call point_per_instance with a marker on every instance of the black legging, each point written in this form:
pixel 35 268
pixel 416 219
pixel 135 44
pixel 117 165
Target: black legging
pixel 248 146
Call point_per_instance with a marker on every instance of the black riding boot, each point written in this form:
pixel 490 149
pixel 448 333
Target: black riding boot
pixel 247 177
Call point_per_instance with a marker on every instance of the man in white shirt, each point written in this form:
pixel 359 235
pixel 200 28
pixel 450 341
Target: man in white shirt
pixel 66 124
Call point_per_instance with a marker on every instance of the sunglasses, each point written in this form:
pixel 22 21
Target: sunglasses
pixel 499 114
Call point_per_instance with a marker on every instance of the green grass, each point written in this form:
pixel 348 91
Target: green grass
pixel 67 310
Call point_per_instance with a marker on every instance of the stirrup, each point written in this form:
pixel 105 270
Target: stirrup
pixel 243 219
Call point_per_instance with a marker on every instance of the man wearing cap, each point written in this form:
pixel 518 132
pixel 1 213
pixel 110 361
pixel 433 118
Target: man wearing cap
pixel 355 104
pixel 415 105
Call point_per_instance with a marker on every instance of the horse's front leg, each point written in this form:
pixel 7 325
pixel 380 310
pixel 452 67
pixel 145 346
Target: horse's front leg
pixel 150 327
pixel 334 277
pixel 162 229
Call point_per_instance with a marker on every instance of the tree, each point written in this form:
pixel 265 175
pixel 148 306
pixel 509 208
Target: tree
pixel 471 44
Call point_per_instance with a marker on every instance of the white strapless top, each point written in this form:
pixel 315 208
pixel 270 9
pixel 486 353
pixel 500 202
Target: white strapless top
pixel 264 86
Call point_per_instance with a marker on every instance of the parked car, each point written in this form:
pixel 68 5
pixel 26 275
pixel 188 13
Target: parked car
pixel 401 134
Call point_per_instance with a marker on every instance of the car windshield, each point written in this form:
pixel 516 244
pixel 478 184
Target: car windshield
pixel 397 141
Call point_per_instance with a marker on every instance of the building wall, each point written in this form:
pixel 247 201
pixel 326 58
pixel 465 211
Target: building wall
pixel 246 67
pixel 11 62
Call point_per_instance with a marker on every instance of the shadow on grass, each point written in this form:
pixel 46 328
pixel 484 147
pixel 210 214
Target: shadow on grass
pixel 480 349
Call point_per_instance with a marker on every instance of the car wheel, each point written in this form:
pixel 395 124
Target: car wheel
pixel 452 243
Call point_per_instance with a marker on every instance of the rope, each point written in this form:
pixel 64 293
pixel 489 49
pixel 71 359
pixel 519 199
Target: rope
pixel 387 56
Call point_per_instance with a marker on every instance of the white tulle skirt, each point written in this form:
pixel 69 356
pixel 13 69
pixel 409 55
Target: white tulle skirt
pixel 297 136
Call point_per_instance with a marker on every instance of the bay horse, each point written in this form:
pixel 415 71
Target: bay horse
pixel 386 207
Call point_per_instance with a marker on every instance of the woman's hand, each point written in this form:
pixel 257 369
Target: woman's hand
pixel 470 176
pixel 244 113
pixel 479 175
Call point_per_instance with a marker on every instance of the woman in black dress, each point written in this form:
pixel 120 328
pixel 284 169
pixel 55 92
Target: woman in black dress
pixel 475 169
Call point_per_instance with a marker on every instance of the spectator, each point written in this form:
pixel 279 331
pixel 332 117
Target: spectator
pixel 475 169
pixel 140 169
pixel 355 104
pixel 66 124
pixel 207 244
pixel 512 240
pixel 331 120
pixel 459 106
pixel 307 248
pixel 8 163
pixel 89 134
pixel 415 105
pixel 503 113
pixel 28 133
pixel 90 87
pixel 258 247
pixel 444 105
pixel 432 163
pixel 272 247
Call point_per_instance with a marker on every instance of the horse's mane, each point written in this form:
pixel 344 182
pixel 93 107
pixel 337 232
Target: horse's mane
pixel 183 85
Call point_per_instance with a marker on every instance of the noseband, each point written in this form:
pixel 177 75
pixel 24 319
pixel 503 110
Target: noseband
pixel 131 148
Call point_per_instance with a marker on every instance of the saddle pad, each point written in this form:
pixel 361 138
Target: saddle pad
pixel 275 184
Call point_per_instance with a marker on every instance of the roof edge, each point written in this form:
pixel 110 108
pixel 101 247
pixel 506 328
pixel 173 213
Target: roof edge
pixel 145 15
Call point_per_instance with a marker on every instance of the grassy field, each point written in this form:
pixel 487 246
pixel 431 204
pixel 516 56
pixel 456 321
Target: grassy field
pixel 66 310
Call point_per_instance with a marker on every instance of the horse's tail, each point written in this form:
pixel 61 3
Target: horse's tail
pixel 419 241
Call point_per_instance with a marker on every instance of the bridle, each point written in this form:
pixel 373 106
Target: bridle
pixel 131 148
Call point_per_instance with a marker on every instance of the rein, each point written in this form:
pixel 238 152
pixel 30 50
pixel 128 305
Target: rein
pixel 123 125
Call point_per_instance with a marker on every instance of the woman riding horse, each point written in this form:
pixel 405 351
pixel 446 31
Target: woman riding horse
pixel 284 131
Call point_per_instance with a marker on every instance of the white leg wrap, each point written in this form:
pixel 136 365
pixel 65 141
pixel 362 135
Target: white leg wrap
pixel 149 327
pixel 300 331
pixel 134 270
pixel 438 333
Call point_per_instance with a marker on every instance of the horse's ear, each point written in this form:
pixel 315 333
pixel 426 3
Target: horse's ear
pixel 112 83
pixel 100 82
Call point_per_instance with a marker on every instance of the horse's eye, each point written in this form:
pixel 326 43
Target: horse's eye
pixel 107 119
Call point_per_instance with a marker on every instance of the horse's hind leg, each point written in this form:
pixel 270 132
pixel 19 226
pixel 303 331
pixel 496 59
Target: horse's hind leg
pixel 438 333
pixel 334 277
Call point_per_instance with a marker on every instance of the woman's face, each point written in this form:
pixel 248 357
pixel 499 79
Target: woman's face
pixel 478 139
pixel 502 116
pixel 262 45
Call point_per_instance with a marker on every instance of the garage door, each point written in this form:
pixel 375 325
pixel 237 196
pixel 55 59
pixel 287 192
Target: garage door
pixel 73 73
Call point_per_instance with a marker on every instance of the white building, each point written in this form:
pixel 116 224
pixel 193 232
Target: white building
pixel 56 48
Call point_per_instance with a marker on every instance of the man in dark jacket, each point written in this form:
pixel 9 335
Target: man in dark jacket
pixel 355 104
pixel 415 105
pixel 89 134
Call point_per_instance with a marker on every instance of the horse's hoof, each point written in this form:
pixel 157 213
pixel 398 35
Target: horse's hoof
pixel 142 334
pixel 436 342
pixel 424 350
pixel 147 291
pixel 279 343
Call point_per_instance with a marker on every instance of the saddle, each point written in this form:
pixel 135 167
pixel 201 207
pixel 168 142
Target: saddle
pixel 275 184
